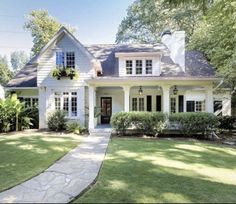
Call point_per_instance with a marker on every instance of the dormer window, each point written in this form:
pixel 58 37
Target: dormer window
pixel 139 66
pixel 65 59
pixel 129 66
pixel 148 66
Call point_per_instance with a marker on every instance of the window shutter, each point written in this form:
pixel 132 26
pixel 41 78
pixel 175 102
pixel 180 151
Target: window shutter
pixel 158 103
pixel 181 103
pixel 190 106
pixel 149 103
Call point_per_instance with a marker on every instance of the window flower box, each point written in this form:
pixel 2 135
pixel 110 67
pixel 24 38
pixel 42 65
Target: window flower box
pixel 65 72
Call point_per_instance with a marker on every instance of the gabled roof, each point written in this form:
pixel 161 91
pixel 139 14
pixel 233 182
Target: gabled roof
pixel 196 65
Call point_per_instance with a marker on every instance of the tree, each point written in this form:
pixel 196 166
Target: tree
pixel 18 60
pixel 5 72
pixel 42 27
pixel 147 19
pixel 215 36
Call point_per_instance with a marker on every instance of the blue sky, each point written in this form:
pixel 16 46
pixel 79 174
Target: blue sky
pixel 97 21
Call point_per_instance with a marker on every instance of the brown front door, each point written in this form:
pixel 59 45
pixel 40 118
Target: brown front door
pixel 106 110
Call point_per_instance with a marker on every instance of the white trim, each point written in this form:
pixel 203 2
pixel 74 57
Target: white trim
pixel 9 88
pixel 136 54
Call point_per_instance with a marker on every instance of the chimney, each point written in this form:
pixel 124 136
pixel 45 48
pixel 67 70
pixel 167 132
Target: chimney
pixel 175 42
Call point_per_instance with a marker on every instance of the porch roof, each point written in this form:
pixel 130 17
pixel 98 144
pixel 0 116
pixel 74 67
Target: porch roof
pixel 149 80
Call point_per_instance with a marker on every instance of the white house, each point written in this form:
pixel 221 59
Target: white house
pixel 126 77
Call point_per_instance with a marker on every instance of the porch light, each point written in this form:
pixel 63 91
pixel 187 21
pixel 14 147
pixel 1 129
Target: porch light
pixel 175 90
pixel 140 91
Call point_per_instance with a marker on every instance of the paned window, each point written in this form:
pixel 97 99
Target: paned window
pixel 129 66
pixel 173 105
pixel 139 66
pixel 70 60
pixel 148 66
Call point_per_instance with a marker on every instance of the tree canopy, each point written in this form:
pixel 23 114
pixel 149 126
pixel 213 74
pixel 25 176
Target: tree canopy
pixel 5 72
pixel 18 60
pixel 42 27
pixel 210 26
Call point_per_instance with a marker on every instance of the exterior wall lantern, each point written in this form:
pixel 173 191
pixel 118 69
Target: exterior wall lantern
pixel 140 91
pixel 175 90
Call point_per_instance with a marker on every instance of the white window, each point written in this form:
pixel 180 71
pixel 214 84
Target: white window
pixel 29 101
pixel 60 59
pixel 70 60
pixel 173 105
pixel 129 66
pixel 65 60
pixel 148 66
pixel 199 106
pixel 66 101
pixel 74 104
pixel 138 104
pixel 141 104
pixel 139 66
pixel 134 104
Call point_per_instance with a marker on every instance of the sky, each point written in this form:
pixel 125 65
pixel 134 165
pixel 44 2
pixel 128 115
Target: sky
pixel 96 21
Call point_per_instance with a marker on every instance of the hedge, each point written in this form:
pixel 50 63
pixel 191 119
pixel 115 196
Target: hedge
pixel 154 123
pixel 192 123
pixel 146 122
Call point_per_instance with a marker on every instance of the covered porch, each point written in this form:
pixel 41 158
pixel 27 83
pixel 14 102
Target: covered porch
pixel 107 99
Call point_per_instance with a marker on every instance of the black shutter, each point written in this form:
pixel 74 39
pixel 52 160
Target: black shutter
pixel 181 103
pixel 149 103
pixel 190 106
pixel 158 103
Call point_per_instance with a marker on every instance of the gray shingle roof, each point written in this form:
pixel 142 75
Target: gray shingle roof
pixel 195 62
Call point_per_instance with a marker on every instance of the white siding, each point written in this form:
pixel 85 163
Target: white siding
pixel 47 63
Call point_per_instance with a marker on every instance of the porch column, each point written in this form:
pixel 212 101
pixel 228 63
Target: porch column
pixel 166 98
pixel 126 98
pixel 209 99
pixel 92 102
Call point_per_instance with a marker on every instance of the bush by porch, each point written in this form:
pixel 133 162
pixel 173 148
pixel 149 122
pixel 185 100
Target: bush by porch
pixel 155 123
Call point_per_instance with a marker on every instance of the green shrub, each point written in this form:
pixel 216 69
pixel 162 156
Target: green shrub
pixel 75 127
pixel 57 121
pixel 227 122
pixel 192 123
pixel 121 122
pixel 145 122
pixel 13 115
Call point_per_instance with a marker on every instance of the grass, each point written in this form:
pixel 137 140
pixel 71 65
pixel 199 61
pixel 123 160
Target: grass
pixel 142 171
pixel 24 156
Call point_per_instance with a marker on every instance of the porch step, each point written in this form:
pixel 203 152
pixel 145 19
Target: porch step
pixel 101 131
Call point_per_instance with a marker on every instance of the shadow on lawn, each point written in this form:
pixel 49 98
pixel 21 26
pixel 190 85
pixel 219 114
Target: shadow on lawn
pixel 165 171
pixel 24 157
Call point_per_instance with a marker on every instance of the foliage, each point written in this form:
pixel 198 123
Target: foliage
pixel 215 36
pixel 42 27
pixel 5 73
pixel 192 123
pixel 30 114
pixel 57 121
pixel 146 122
pixel 65 72
pixel 227 122
pixel 147 19
pixel 13 115
pixel 121 122
pixel 18 60
pixel 75 127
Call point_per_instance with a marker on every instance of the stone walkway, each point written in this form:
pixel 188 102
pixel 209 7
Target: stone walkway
pixel 65 179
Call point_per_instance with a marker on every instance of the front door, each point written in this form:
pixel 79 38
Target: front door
pixel 106 110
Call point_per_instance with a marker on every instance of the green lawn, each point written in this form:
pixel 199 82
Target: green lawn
pixel 22 157
pixel 138 170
